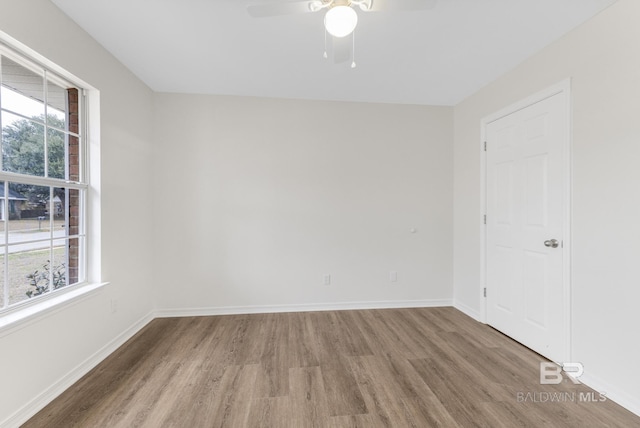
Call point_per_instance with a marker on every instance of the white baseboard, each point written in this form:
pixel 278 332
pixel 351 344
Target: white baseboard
pixel 619 397
pixel 467 310
pixel 262 309
pixel 40 401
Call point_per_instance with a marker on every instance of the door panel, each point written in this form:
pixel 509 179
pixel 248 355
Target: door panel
pixel 535 276
pixel 504 295
pixel 525 297
pixel 536 191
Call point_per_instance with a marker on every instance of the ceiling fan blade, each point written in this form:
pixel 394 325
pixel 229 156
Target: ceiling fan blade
pixel 263 10
pixel 385 5
pixel 341 49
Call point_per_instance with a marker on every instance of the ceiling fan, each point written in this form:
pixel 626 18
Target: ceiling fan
pixel 340 17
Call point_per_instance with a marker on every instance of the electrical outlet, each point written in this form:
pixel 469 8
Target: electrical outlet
pixel 393 276
pixel 114 306
pixel 327 279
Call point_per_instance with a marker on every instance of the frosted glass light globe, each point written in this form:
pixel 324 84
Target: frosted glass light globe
pixel 340 21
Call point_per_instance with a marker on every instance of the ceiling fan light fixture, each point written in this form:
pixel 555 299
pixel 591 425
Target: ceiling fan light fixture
pixel 340 21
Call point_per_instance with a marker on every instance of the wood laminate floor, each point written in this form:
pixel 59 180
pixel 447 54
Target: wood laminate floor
pixel 432 367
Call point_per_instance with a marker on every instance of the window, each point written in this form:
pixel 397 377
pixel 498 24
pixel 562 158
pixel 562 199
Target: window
pixel 43 184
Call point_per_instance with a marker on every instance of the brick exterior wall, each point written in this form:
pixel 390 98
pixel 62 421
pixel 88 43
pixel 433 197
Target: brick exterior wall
pixel 73 207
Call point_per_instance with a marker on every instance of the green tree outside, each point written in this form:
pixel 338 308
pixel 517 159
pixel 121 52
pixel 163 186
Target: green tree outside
pixel 23 152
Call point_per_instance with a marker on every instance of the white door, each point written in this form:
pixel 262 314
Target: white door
pixel 526 299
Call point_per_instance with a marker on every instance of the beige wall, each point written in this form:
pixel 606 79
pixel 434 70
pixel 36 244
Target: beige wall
pixel 270 195
pixel 601 57
pixel 35 359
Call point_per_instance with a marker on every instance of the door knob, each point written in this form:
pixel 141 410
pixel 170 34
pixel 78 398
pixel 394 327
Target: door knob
pixel 553 243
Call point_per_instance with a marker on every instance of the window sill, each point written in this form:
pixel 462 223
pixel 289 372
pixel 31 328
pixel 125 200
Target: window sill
pixel 21 318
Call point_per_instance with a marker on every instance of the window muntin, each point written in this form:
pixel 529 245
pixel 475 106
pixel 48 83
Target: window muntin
pixel 42 189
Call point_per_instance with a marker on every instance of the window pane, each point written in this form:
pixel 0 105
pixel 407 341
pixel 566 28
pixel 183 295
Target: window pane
pixel 22 89
pixel 56 106
pixel 59 207
pixel 56 142
pixel 75 264
pixel 74 158
pixel 22 145
pixel 65 222
pixel 3 202
pixel 75 224
pixel 2 300
pixel 28 273
pixel 28 213
pixel 60 263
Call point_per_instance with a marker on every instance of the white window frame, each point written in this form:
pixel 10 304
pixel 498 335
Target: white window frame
pixel 89 183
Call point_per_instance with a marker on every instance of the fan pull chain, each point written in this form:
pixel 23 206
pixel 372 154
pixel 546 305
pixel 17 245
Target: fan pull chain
pixel 353 50
pixel 325 44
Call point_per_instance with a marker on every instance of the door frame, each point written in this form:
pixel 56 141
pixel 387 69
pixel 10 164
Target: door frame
pixel 564 88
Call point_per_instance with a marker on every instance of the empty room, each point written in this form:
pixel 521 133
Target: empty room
pixel 319 213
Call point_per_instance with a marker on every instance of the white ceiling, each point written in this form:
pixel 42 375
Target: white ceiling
pixel 435 57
